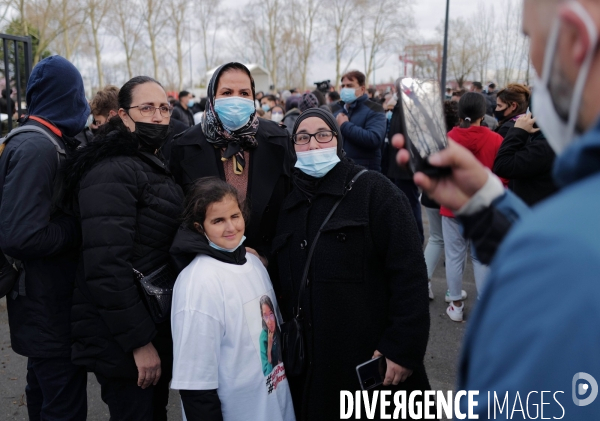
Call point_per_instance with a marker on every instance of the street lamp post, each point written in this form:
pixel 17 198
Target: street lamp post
pixel 445 52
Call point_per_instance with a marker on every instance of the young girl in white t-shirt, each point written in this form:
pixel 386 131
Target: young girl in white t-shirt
pixel 225 318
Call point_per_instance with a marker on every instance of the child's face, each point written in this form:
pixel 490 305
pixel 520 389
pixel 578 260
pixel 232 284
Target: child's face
pixel 224 224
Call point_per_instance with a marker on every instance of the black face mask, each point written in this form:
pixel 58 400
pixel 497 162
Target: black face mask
pixel 500 114
pixel 151 135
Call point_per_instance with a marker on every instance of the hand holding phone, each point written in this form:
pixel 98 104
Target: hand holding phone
pixel 371 373
pixel 423 123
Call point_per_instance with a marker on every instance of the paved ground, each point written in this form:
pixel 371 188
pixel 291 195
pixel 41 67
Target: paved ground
pixel 441 358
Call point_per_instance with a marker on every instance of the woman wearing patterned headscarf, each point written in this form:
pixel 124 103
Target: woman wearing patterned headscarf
pixel 252 154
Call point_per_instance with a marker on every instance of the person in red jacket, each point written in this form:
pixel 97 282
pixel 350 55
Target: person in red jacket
pixel 484 144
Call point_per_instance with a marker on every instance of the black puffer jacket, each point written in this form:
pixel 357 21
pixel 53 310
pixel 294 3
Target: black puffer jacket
pixel 367 289
pixel 526 160
pixel 129 207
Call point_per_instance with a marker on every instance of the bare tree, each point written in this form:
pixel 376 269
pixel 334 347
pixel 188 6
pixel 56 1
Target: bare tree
pixel 71 20
pixel 177 15
pixel 208 16
pixel 511 48
pixel 96 12
pixel 382 29
pixel 43 15
pixel 302 21
pixel 462 58
pixel 341 17
pixel 155 21
pixel 483 32
pixel 127 29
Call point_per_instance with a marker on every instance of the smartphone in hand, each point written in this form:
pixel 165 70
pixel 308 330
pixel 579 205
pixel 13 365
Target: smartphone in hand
pixel 371 373
pixel 422 122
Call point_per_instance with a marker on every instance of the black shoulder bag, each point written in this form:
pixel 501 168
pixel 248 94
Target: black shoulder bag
pixel 156 290
pixel 292 330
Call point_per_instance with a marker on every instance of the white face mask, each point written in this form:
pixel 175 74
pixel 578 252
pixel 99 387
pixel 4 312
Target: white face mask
pixel 558 132
pixel 277 117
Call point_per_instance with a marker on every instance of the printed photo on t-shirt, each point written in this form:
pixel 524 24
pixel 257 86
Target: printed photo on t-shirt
pixel 263 322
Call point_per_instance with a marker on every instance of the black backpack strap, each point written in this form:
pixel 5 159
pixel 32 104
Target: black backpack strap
pixel 314 243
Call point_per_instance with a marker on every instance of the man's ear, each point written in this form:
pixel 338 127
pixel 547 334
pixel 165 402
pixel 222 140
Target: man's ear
pixel 580 29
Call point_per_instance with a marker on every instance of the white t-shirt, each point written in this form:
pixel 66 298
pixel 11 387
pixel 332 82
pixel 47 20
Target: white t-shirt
pixel 221 318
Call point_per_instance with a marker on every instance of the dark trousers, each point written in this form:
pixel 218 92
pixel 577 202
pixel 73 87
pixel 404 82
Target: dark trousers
pixel 56 390
pixel 125 399
pixel 411 191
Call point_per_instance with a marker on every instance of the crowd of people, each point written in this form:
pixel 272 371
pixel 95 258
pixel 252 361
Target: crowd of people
pixel 173 243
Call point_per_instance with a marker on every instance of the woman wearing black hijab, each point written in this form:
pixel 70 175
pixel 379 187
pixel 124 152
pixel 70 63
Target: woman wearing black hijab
pixel 367 289
pixel 232 143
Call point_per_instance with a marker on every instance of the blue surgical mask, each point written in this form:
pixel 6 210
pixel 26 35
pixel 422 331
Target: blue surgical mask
pixel 348 95
pixel 191 103
pixel 318 162
pixel 234 112
pixel 216 247
pixel 389 115
pixel 266 108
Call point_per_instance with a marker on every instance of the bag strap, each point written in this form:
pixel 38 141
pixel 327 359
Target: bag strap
pixel 59 149
pixel 314 243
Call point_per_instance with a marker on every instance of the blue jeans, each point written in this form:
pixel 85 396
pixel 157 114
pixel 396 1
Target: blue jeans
pixel 435 243
pixel 456 247
pixel 56 390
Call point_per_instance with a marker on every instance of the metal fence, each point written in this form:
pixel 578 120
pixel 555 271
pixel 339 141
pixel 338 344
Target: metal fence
pixel 15 68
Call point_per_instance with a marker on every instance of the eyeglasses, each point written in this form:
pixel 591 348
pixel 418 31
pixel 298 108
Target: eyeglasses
pixel 148 110
pixel 320 137
pixel 269 318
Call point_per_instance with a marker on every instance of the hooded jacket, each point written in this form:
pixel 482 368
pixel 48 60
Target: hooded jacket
pixel 31 228
pixel 482 142
pixel 55 92
pixel 537 318
pixel 129 207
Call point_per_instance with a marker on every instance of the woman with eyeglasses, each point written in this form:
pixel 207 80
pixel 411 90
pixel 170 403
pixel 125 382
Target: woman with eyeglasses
pixel 129 207
pixel 232 143
pixel 366 294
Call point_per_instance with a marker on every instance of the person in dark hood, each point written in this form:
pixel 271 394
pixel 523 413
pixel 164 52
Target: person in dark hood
pixel 129 207
pixel 218 374
pixel 367 289
pixel 232 143
pixel 37 230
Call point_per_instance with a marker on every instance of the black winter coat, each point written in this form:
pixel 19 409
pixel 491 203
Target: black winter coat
pixel 185 116
pixel 527 161
pixel 367 285
pixel 45 239
pixel 192 157
pixel 129 207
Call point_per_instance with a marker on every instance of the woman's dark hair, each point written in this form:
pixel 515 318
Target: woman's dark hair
pixel 203 192
pixel 278 106
pixel 125 99
pixel 265 299
pixel 451 114
pixel 515 93
pixel 235 66
pixel 471 107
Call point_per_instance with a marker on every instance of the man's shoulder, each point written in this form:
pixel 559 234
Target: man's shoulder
pixel 374 106
pixel 31 141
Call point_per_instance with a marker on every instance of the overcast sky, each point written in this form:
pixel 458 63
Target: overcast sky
pixel 427 13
